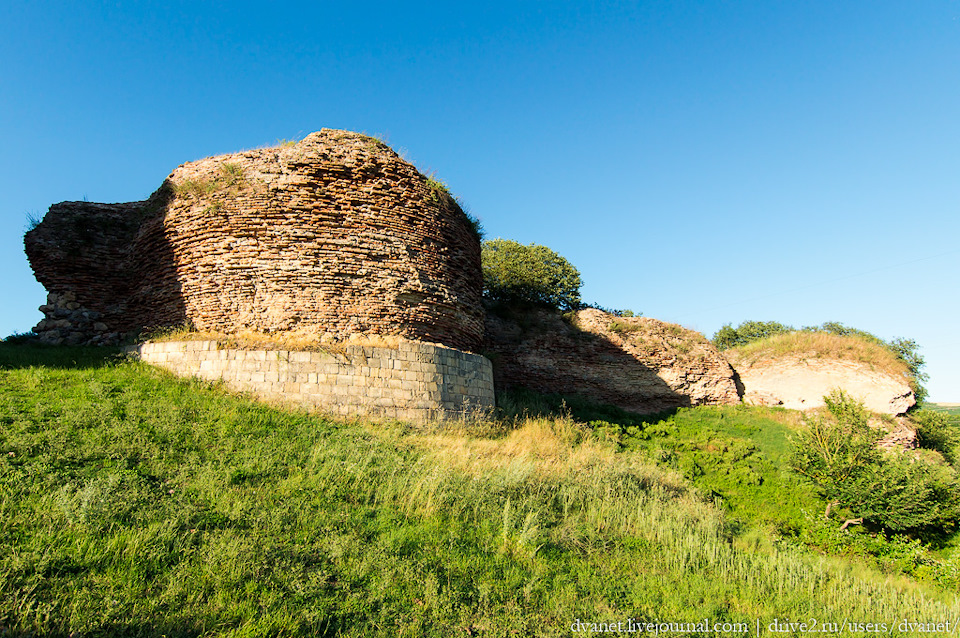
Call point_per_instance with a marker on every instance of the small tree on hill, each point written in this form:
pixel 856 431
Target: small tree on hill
pixel 836 454
pixel 529 273
pixel 909 351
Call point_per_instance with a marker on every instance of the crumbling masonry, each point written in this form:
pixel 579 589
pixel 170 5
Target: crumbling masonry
pixel 328 239
pixel 335 235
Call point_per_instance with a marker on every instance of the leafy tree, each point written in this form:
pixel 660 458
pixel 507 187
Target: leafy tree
pixel 934 432
pixel 837 328
pixel 909 351
pixel 839 456
pixel 529 273
pixel 730 337
pixel 908 494
pixel 835 455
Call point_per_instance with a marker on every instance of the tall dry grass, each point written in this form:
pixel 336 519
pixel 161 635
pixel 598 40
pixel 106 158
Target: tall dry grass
pixel 303 339
pixel 819 345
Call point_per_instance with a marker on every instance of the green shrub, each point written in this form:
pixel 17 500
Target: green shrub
pixel 529 273
pixel 908 351
pixel 907 494
pixel 934 432
pixel 839 456
pixel 231 173
pixel 837 328
pixel 476 227
pixel 437 185
pixel 747 332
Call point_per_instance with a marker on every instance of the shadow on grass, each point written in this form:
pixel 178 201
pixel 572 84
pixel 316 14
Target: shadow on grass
pixel 523 402
pixel 38 355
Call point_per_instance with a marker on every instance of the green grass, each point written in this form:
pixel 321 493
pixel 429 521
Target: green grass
pixel 952 411
pixel 739 459
pixel 231 174
pixel 437 185
pixel 737 455
pixel 623 327
pixel 231 178
pixel 136 504
pixel 196 187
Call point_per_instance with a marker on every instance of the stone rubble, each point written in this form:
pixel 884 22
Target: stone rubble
pixel 68 323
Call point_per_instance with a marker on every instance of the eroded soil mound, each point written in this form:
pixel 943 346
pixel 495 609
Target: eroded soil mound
pixel 639 364
pixel 797 370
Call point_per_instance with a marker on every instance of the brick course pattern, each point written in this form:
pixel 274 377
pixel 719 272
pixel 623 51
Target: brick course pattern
pixel 415 382
pixel 335 235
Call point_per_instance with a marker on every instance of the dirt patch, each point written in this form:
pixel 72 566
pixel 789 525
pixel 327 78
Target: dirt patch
pixel 800 382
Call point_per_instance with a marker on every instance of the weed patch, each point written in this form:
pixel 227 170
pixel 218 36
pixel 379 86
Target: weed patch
pixel 623 327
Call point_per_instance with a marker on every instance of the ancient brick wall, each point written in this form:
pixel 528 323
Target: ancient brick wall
pixel 639 364
pixel 79 253
pixel 415 381
pixel 335 235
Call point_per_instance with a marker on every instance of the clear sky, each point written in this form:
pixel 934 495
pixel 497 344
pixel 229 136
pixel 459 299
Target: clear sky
pixel 700 162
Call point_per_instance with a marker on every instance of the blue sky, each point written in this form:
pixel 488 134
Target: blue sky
pixel 700 162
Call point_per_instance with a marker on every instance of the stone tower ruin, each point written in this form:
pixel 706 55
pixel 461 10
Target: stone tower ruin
pixel 335 235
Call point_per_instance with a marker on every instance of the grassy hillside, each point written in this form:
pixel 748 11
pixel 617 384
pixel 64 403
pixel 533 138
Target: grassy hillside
pixel 136 504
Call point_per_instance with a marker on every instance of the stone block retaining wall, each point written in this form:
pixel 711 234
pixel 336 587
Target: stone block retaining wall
pixel 416 381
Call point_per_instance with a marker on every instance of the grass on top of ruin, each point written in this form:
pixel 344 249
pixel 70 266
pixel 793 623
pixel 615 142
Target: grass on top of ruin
pixel 137 503
pixel 300 340
pixel 821 345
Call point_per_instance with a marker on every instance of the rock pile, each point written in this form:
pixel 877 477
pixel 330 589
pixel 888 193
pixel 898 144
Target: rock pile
pixel 66 322
pixel 901 436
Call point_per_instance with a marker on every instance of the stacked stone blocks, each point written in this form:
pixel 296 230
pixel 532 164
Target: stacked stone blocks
pixel 416 381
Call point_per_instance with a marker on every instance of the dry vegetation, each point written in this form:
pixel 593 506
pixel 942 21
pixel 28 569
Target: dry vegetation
pixel 819 345
pixel 646 334
pixel 540 447
pixel 309 340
